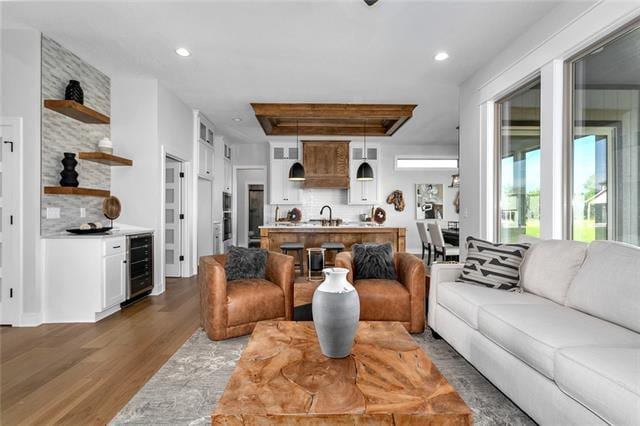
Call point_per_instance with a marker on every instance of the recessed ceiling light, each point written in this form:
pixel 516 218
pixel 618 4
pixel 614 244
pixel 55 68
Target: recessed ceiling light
pixel 441 56
pixel 237 119
pixel 182 51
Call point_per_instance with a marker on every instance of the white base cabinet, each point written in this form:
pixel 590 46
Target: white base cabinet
pixel 85 278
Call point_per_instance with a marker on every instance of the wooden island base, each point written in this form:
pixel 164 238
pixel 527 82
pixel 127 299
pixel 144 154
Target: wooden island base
pixel 283 379
pixel 272 237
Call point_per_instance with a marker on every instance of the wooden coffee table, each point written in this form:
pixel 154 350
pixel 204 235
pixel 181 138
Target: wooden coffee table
pixel 282 378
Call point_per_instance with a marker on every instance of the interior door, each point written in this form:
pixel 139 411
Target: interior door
pixel 173 217
pixel 10 243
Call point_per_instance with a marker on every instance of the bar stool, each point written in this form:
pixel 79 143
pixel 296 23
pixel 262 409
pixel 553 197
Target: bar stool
pixel 329 246
pixel 285 248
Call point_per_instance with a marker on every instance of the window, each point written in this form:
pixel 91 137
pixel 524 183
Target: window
pixel 518 165
pixel 604 151
pixel 417 162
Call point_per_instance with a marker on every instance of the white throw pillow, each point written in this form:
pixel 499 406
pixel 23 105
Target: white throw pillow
pixel 549 268
pixel 608 284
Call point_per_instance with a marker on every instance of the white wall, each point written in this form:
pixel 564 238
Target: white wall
pixel 134 132
pixel 146 119
pixel 250 154
pixel 175 124
pixel 569 28
pixel 176 136
pixel 405 181
pixel 20 97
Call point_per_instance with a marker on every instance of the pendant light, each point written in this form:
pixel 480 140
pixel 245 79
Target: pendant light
pixel 296 172
pixel 365 172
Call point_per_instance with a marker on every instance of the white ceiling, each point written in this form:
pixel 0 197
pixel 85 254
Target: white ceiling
pixel 293 51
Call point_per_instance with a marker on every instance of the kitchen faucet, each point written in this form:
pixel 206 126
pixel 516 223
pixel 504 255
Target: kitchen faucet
pixel 330 213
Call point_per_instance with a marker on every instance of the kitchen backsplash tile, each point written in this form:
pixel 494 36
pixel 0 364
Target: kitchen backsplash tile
pixel 314 198
pixel 63 134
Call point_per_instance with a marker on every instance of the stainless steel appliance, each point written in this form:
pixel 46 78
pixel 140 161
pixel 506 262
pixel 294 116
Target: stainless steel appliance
pixel 226 202
pixel 227 227
pixel 139 264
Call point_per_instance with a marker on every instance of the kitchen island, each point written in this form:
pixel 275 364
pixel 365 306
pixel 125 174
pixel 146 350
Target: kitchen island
pixel 271 237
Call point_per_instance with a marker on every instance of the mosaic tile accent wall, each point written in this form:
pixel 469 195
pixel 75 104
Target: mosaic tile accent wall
pixel 63 134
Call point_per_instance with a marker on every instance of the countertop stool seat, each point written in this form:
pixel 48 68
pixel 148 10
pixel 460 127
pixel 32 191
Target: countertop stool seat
pixel 285 248
pixel 330 246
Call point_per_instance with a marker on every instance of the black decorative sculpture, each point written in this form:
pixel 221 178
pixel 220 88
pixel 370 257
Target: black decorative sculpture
pixel 74 92
pixel 68 173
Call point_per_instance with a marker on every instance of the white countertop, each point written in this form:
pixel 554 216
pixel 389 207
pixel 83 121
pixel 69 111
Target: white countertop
pixel 308 225
pixel 117 231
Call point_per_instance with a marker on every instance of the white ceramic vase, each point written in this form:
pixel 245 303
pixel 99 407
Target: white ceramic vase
pixel 105 145
pixel 336 312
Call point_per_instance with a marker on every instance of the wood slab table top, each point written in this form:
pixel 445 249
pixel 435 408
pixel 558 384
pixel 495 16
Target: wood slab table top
pixel 283 379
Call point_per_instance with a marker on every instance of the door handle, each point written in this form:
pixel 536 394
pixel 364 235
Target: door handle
pixel 11 143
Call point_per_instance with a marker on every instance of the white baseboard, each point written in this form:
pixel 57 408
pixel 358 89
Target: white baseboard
pixel 30 320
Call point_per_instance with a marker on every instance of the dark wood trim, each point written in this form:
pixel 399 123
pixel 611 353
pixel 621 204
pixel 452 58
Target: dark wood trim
pixel 311 119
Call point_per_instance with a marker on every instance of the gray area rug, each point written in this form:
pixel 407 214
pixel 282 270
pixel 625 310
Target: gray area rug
pixel 185 390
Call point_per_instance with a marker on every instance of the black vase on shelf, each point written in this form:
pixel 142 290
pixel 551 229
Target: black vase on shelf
pixel 74 92
pixel 68 173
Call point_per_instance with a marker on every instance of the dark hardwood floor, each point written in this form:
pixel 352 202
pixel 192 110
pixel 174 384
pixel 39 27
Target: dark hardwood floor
pixel 80 374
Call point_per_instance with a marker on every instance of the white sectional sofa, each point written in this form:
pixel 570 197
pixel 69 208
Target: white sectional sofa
pixel 566 350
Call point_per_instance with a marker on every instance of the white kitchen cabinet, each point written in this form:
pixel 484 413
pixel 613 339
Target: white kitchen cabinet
pixel 205 130
pixel 85 277
pixel 205 160
pixel 364 192
pixel 228 176
pixel 281 189
pixel 113 289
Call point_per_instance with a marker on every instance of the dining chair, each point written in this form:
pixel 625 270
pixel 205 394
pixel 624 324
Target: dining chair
pixel 440 247
pixel 425 240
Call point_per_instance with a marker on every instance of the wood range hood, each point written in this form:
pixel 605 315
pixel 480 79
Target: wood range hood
pixel 285 119
pixel 326 164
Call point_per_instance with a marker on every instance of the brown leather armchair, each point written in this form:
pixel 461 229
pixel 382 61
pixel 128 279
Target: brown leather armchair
pixel 230 309
pixel 391 300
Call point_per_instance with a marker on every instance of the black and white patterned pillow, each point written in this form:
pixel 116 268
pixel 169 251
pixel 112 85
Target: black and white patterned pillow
pixel 493 265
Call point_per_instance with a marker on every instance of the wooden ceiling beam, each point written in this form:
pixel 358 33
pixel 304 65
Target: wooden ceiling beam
pixel 328 131
pixel 332 119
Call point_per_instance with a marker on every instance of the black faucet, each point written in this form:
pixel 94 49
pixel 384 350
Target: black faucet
pixel 330 213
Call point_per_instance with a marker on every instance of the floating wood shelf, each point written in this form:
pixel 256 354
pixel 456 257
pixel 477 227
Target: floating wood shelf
pixel 104 158
pixel 76 111
pixel 70 190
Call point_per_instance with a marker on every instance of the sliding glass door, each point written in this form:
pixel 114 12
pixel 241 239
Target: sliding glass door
pixel 518 163
pixel 605 149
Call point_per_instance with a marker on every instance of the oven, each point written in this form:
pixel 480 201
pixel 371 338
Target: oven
pixel 226 202
pixel 139 264
pixel 227 227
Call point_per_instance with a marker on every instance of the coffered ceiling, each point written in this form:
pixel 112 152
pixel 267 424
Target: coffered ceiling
pixel 331 119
